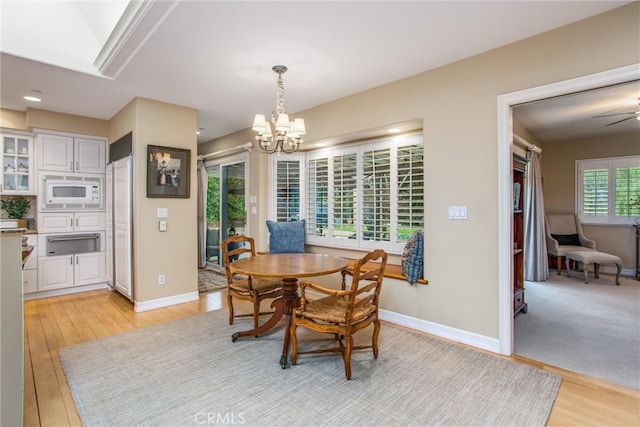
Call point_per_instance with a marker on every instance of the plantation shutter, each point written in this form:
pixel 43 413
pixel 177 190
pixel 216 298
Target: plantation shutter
pixel 410 208
pixel 345 171
pixel 317 196
pixel 376 195
pixel 595 198
pixel 287 190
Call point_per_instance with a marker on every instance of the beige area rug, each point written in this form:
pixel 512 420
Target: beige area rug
pixel 188 372
pixel 210 280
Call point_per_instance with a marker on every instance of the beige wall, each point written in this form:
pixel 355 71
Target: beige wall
pixel 42 119
pixel 458 106
pixel 558 174
pixel 174 252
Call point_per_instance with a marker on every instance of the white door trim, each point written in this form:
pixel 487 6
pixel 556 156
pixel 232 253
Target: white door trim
pixel 505 135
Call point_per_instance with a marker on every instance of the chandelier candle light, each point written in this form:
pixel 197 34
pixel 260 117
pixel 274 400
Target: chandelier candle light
pixel 285 130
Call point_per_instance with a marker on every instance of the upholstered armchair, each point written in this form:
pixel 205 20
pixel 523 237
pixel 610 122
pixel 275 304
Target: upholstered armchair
pixel 564 235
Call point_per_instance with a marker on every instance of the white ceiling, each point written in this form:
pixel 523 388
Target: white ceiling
pixel 216 56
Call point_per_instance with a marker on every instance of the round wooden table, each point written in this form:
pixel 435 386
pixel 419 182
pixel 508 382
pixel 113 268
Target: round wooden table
pixel 288 267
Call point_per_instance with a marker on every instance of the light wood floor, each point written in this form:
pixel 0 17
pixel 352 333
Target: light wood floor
pixel 57 322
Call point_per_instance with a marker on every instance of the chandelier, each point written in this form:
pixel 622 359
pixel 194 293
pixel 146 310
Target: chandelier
pixel 287 136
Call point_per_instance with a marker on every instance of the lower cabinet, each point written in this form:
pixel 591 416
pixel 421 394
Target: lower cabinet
pixel 30 267
pixel 65 271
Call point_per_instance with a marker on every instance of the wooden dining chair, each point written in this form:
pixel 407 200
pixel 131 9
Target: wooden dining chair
pixel 343 312
pixel 242 287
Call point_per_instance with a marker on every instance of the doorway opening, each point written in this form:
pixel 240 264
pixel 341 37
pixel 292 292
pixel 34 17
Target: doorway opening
pixel 226 203
pixel 505 152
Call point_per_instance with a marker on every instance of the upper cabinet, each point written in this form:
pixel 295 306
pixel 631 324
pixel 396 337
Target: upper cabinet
pixel 18 177
pixel 69 154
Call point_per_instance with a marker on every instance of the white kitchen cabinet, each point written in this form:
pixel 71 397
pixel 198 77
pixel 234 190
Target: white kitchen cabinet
pixel 68 222
pixel 71 154
pixel 55 272
pixel 65 271
pixel 89 268
pixel 30 268
pixel 18 172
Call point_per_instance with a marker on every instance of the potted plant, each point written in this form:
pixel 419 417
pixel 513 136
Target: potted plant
pixel 16 208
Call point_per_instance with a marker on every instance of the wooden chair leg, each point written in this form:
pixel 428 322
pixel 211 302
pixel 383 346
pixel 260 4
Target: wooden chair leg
pixel 294 344
pixel 559 265
pixel 230 305
pixel 256 313
pixel 374 339
pixel 347 356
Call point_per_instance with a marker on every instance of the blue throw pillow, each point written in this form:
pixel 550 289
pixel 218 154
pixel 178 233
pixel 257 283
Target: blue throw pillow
pixel 413 257
pixel 286 237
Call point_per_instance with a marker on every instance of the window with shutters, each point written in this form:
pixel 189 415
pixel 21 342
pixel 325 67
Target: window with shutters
pixel 363 195
pixel 287 190
pixel 608 190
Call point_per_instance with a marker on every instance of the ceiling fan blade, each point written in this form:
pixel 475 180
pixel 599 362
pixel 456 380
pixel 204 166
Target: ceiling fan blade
pixel 623 120
pixel 615 114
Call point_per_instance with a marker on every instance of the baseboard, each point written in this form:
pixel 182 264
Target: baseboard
pixel 442 331
pixel 165 302
pixel 65 291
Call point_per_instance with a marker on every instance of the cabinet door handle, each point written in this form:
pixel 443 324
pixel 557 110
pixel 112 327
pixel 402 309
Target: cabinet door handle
pixel 71 260
pixel 71 222
pixel 76 222
pixel 77 165
pixel 71 165
pixel 77 259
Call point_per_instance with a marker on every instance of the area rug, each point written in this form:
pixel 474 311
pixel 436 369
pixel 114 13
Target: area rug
pixel 210 280
pixel 189 372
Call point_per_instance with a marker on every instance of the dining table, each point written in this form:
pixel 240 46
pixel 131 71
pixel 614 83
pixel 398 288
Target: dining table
pixel 289 267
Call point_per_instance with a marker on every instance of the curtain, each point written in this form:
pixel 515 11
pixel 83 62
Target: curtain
pixel 536 268
pixel 203 180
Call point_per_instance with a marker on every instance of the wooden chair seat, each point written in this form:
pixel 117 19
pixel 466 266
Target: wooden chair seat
pixel 241 287
pixel 343 312
pixel 333 309
pixel 260 285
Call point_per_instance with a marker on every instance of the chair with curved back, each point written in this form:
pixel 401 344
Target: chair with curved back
pixel 345 311
pixel 242 287
pixel 563 235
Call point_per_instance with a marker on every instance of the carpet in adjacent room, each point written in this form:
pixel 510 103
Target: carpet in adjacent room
pixel 592 329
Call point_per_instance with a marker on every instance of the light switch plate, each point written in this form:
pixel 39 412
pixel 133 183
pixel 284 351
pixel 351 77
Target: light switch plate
pixel 163 212
pixel 162 225
pixel 457 212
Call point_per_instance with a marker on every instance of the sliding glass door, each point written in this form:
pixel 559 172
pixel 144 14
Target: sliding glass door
pixel 226 203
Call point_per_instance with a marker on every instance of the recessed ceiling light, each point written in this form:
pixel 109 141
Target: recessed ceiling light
pixel 320 144
pixel 394 130
pixel 34 96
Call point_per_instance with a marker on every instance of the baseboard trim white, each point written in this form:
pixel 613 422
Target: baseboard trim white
pixel 442 331
pixel 64 291
pixel 165 301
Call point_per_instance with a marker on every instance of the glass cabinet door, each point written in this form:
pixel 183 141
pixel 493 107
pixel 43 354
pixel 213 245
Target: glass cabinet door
pixel 17 165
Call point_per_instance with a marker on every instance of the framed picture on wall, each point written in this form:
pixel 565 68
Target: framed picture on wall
pixel 168 171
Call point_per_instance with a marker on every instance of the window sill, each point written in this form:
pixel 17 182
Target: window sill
pixel 392 271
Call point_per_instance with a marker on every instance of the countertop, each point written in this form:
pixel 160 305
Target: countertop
pixel 18 230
